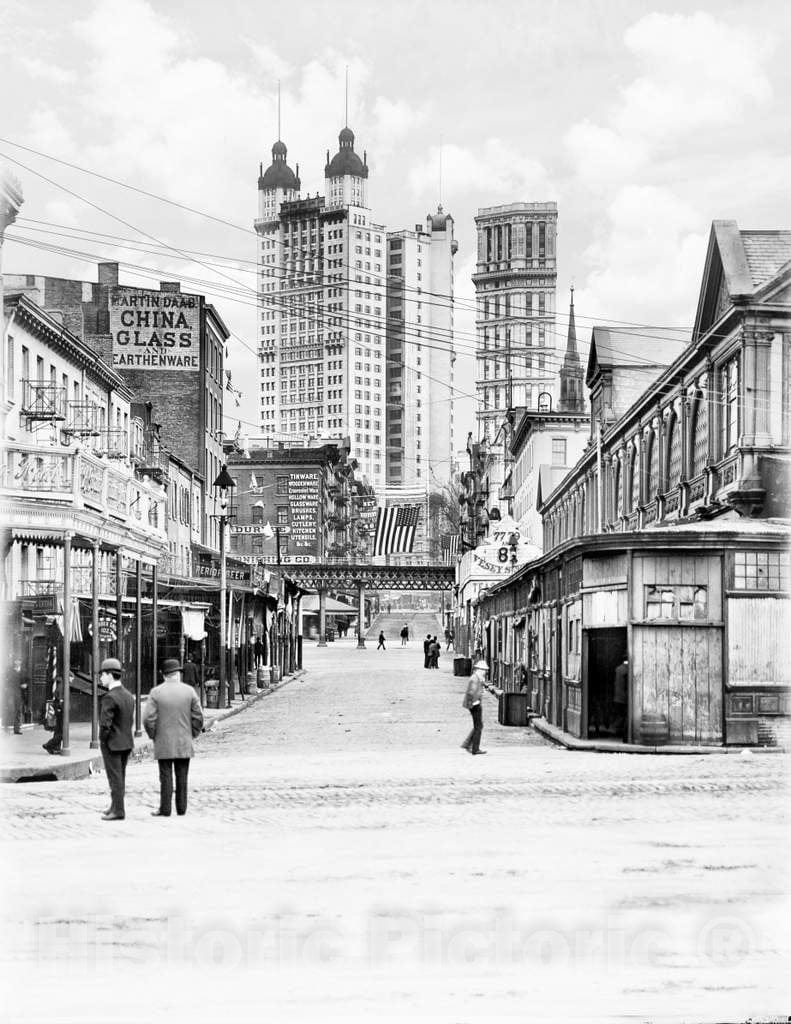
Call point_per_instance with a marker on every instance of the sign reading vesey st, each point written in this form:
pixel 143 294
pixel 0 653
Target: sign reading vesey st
pixel 154 330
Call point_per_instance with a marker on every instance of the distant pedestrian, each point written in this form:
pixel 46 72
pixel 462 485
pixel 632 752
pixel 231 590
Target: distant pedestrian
pixel 472 701
pixel 190 675
pixel 448 639
pixel 54 745
pixel 258 652
pixel 404 636
pixel 173 718
pixel 15 694
pixel 620 692
pixel 381 644
pixel 115 735
pixel 433 654
pixel 426 654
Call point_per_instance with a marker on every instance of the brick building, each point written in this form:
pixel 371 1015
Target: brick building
pixel 167 345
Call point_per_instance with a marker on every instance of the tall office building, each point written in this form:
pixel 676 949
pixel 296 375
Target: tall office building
pixel 515 284
pixel 322 307
pixel 420 355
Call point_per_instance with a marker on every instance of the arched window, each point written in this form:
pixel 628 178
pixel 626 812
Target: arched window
pixel 673 453
pixel 653 465
pixel 700 435
pixel 633 485
pixel 618 489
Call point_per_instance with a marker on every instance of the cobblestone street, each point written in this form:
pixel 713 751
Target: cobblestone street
pixel 342 856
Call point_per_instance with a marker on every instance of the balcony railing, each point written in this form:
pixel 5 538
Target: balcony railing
pixel 82 581
pixel 82 419
pixel 43 401
pixel 33 588
pixel 81 481
pixel 113 443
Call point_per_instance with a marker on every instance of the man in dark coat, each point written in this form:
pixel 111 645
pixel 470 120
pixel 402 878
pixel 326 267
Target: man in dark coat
pixel 173 718
pixel 191 675
pixel 426 654
pixel 433 653
pixel 116 718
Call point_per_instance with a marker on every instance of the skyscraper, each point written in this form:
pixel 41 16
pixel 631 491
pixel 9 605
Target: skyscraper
pixel 322 307
pixel 515 283
pixel 420 354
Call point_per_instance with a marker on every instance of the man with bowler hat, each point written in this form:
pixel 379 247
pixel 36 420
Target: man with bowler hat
pixel 115 734
pixel 172 718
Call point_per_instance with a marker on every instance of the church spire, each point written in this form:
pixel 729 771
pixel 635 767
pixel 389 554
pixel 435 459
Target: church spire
pixel 571 399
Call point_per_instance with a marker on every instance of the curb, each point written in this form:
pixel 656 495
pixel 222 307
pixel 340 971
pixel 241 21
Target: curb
pixel 562 739
pixel 71 771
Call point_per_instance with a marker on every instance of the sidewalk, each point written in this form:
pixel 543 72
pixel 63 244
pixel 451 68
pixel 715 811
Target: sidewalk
pixel 563 739
pixel 22 758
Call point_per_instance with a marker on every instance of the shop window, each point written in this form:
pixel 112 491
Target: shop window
pixel 760 570
pixel 672 601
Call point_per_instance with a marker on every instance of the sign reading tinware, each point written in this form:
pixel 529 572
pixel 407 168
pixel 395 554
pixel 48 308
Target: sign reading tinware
pixel 154 330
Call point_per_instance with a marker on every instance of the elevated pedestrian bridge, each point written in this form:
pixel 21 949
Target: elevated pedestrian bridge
pixel 344 577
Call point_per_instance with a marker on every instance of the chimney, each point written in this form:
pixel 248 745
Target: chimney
pixel 170 286
pixel 108 274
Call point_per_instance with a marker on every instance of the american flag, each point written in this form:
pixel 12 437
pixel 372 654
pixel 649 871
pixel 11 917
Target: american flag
pixel 395 529
pixel 449 544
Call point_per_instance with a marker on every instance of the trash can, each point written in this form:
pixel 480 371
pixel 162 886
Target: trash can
pixel 512 709
pixel 653 729
pixel 462 666
pixel 213 693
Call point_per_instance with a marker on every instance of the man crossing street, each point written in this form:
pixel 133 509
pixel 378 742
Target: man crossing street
pixel 116 741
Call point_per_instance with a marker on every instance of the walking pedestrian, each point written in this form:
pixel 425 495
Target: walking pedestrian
pixel 115 735
pixel 448 639
pixel 426 655
pixel 54 745
pixel 190 675
pixel 258 652
pixel 173 718
pixel 381 644
pixel 472 701
pixel 404 636
pixel 15 693
pixel 433 654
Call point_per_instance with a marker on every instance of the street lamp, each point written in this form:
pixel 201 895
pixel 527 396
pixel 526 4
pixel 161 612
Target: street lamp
pixel 223 484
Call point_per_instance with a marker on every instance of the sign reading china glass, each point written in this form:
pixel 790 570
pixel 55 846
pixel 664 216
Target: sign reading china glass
pixel 154 330
pixel 303 499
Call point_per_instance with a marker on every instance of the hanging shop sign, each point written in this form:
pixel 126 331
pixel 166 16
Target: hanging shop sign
pixel 153 330
pixel 235 570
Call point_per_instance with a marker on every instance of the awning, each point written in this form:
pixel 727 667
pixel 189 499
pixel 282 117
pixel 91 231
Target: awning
pixel 310 603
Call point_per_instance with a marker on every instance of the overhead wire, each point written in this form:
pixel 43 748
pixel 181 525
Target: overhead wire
pixel 221 220
pixel 152 272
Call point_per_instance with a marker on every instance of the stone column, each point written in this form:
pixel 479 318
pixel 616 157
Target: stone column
pixel 360 615
pixel 154 622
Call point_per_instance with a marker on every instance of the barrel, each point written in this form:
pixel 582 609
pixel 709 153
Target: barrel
pixel 462 666
pixel 653 729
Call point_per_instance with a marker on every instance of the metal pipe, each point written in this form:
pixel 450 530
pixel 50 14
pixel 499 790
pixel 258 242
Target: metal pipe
pixel 223 692
pixel 95 646
pixel 65 696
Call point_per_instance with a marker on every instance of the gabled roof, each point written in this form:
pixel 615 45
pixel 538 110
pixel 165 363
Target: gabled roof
pixel 548 479
pixel 611 349
pixel 738 263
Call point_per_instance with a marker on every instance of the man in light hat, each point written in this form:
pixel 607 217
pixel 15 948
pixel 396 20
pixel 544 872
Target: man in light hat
pixel 173 718
pixel 115 734
pixel 472 701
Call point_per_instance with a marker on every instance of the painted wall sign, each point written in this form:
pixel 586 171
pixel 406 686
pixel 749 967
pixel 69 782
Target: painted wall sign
pixel 154 330
pixel 304 497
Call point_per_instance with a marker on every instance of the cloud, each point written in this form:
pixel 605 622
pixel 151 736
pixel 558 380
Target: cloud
pixel 269 60
pixel 38 68
pixel 648 264
pixel 491 170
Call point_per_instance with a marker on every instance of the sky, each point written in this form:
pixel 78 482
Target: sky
pixel 644 121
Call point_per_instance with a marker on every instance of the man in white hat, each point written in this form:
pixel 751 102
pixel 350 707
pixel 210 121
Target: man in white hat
pixel 472 701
